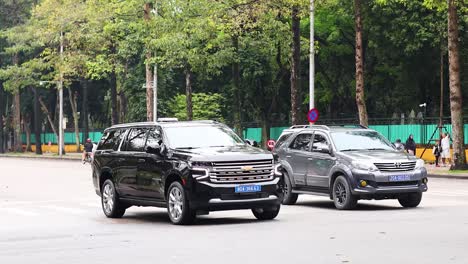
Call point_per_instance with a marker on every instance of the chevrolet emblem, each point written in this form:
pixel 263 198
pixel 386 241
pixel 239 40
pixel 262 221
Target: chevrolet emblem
pixel 246 168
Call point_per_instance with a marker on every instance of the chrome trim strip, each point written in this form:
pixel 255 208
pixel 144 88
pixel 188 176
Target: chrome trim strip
pixel 219 201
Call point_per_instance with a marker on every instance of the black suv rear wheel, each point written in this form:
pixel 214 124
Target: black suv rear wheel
pixel 342 196
pixel 111 204
pixel 178 206
pixel 410 200
pixel 289 197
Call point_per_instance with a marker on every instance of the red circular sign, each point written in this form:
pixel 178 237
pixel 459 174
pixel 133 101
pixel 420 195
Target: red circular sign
pixel 313 115
pixel 271 143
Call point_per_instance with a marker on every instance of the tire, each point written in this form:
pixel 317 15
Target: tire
pixel 410 200
pixel 289 198
pixel 111 205
pixel 342 196
pixel 178 207
pixel 266 214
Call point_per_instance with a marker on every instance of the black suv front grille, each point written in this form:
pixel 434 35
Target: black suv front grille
pixel 396 166
pixel 242 171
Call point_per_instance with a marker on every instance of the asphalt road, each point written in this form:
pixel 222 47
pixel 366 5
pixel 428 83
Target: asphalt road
pixel 49 213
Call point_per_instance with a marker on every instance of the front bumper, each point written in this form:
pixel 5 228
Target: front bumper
pixel 379 186
pixel 208 196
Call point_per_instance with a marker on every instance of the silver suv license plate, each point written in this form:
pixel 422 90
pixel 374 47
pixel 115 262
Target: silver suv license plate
pixel 396 178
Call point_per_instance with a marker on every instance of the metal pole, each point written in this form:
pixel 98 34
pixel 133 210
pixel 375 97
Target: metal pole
pixel 60 143
pixel 311 60
pixel 155 93
pixel 441 110
pixel 155 78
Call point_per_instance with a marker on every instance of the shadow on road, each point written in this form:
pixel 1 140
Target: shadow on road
pixel 360 206
pixel 163 218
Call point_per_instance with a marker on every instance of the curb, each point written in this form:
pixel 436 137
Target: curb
pixel 448 176
pixel 41 157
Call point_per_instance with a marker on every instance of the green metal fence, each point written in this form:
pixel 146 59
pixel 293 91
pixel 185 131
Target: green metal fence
pixel 421 133
pixel 68 137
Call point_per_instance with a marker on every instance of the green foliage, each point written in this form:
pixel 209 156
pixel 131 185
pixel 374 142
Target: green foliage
pixel 205 106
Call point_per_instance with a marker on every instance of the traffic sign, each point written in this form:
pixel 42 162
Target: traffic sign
pixel 313 115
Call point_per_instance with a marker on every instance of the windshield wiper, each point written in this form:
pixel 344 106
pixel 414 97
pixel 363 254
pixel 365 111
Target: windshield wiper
pixel 376 149
pixel 186 148
pixel 220 146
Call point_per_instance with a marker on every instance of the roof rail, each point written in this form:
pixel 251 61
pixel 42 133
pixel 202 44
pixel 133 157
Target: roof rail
pixel 167 119
pixel 310 126
pixel 351 126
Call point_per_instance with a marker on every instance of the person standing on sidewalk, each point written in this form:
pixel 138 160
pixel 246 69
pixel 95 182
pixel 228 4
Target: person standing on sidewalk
pixel 410 145
pixel 445 144
pixel 437 150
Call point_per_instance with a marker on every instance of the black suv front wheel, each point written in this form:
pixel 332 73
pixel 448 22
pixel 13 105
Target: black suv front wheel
pixel 178 206
pixel 342 196
pixel 266 213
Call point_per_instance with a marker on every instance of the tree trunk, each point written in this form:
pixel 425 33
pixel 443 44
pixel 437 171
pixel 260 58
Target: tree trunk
pixel 237 91
pixel 360 98
pixel 49 118
pixel 2 107
pixel 265 130
pixel 18 146
pixel 27 129
pixel 148 71
pixel 84 110
pixel 456 104
pixel 188 93
pixel 122 106
pixel 37 122
pixel 113 94
pixel 74 106
pixel 295 64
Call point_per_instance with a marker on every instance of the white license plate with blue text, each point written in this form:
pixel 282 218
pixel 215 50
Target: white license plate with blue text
pixel 248 188
pixel 397 178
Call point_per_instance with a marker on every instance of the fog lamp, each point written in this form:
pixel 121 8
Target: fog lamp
pixel 363 183
pixel 424 180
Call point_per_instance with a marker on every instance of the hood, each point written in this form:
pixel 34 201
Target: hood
pixel 378 155
pixel 231 153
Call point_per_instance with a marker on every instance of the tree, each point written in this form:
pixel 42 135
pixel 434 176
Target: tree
pixel 456 97
pixel 295 63
pixel 206 107
pixel 360 96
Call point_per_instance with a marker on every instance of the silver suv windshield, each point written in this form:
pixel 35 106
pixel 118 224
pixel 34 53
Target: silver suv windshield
pixel 360 140
pixel 203 136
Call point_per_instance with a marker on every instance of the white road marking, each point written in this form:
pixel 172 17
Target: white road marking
pixel 17 211
pixel 69 210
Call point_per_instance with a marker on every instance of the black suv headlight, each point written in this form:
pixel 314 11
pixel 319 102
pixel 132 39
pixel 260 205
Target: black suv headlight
pixel 199 169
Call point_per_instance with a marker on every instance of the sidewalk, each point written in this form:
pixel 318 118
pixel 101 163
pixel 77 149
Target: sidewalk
pixel 445 172
pixel 32 155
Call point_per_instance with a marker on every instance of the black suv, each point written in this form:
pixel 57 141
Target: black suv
pixel 189 167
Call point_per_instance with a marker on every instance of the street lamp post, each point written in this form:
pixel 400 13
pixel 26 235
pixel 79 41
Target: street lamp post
pixel 311 59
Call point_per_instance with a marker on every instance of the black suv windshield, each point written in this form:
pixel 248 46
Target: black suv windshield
pixel 188 137
pixel 360 140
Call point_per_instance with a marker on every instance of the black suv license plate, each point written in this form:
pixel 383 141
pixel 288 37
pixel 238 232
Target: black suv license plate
pixel 248 188
pixel 397 178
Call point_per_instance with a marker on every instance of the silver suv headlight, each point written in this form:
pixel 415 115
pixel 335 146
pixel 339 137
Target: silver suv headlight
pixel 277 170
pixel 419 164
pixel 364 165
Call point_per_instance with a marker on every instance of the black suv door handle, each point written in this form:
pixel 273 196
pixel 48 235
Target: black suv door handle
pixel 141 160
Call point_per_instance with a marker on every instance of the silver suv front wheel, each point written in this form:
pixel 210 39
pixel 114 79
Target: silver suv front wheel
pixel 342 196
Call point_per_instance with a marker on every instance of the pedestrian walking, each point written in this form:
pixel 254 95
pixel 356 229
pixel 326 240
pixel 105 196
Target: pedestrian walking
pixel 437 151
pixel 410 145
pixel 445 144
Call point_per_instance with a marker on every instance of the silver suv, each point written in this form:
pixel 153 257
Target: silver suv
pixel 347 164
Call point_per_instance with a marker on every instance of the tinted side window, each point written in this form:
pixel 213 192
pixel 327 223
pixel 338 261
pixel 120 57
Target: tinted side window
pixel 110 140
pixel 154 138
pixel 301 142
pixel 119 135
pixel 281 140
pixel 136 139
pixel 320 142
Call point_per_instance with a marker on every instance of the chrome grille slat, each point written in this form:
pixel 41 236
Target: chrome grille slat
pixel 233 172
pixel 396 166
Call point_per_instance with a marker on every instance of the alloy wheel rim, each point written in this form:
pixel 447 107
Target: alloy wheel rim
pixel 176 204
pixel 108 198
pixel 340 193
